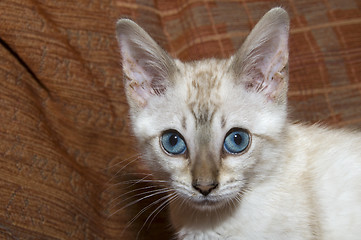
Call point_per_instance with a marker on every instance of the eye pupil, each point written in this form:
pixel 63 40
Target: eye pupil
pixel 173 140
pixel 237 139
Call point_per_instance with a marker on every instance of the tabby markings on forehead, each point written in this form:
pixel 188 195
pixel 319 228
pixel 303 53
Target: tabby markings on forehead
pixel 184 123
pixel 223 121
pixel 203 95
pixel 203 114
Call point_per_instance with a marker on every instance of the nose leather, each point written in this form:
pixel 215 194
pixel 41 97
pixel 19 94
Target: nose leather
pixel 204 188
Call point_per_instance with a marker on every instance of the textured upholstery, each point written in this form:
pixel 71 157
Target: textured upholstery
pixel 68 163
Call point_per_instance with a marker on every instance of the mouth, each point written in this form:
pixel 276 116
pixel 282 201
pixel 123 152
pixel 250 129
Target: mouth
pixel 206 203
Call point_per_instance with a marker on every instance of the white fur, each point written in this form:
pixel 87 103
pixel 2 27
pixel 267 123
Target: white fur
pixel 319 184
pixel 292 182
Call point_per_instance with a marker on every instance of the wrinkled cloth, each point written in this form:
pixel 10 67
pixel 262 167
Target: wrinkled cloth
pixel 69 163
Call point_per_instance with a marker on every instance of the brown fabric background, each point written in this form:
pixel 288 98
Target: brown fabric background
pixel 66 154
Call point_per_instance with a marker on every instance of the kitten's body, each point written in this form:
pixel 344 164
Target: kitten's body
pixel 288 182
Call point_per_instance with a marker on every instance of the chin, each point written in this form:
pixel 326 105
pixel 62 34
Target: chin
pixel 207 203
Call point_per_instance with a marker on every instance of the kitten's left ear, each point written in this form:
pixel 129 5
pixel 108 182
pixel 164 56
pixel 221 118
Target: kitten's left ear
pixel 262 62
pixel 146 66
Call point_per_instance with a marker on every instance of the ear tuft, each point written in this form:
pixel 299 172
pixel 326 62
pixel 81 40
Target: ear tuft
pixel 262 61
pixel 147 67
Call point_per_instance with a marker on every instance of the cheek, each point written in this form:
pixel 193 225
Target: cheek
pixel 174 166
pixel 233 168
pixel 238 167
pixel 179 171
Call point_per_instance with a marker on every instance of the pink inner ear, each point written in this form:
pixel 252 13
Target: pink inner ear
pixel 268 71
pixel 276 74
pixel 277 63
pixel 136 80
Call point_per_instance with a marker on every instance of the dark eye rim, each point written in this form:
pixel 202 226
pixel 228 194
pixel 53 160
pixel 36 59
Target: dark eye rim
pixel 233 130
pixel 180 135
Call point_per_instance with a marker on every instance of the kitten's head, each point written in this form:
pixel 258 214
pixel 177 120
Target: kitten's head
pixel 210 128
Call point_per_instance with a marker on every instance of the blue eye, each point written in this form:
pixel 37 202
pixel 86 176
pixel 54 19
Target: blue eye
pixel 173 142
pixel 236 141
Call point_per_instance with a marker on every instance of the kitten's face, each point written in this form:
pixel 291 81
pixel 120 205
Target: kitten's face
pixel 207 130
pixel 211 128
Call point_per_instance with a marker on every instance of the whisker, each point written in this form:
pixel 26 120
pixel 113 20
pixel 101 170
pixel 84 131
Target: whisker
pixel 138 181
pixel 121 169
pixel 136 174
pixel 140 194
pixel 134 190
pixel 141 181
pixel 217 214
pixel 120 162
pixel 237 199
pixel 138 200
pixel 124 182
pixel 141 212
pixel 171 199
pixel 161 207
pixel 147 207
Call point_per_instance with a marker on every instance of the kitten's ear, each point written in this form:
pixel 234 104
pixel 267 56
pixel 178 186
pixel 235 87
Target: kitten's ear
pixel 262 62
pixel 147 67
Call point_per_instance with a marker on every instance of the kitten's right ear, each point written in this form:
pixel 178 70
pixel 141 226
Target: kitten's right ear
pixel 147 67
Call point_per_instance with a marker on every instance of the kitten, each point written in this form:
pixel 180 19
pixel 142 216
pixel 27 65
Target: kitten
pixel 217 132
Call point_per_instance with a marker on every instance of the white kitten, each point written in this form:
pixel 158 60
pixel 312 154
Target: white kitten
pixel 217 132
